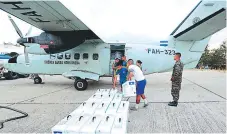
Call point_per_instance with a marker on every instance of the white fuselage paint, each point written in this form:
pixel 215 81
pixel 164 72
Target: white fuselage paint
pixel 154 58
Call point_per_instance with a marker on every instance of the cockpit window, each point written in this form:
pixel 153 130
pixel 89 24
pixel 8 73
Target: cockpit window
pixel 60 56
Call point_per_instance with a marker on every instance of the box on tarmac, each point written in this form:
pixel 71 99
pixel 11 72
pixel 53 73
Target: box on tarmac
pixel 103 112
pixel 105 125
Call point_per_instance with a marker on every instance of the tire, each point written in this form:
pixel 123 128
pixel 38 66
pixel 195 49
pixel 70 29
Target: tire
pixel 37 80
pixel 80 84
pixel 11 75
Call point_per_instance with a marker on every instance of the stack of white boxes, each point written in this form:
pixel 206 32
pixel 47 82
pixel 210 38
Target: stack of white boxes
pixel 103 112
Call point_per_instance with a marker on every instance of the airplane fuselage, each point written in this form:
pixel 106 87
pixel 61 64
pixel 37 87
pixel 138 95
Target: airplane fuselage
pixel 96 58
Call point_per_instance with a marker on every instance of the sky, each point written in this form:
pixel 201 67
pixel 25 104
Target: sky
pixel 130 21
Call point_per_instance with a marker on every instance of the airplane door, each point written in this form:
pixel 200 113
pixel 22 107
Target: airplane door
pixel 105 60
pixel 117 50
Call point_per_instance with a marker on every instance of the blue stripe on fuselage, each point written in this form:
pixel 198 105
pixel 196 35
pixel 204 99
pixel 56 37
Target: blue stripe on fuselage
pixel 2 56
pixel 163 41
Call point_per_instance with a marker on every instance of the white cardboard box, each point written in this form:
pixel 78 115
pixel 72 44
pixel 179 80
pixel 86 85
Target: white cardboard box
pixel 102 108
pixel 129 88
pixel 118 97
pixel 109 105
pixel 91 125
pixel 120 124
pixel 105 125
pixel 113 107
pixel 62 125
pixel 101 97
pixel 75 124
pixel 90 107
pixel 72 125
pixel 113 91
pixel 87 107
pixel 123 107
pixel 103 91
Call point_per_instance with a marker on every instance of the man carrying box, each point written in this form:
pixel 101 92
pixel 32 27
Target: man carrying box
pixel 135 71
pixel 122 71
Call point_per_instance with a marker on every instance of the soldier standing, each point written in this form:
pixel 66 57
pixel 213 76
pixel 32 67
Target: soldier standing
pixel 176 79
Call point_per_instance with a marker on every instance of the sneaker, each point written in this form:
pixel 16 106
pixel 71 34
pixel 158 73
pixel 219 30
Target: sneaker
pixel 145 105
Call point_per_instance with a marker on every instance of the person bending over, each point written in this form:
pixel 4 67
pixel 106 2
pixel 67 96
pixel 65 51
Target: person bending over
pixel 135 71
pixel 122 71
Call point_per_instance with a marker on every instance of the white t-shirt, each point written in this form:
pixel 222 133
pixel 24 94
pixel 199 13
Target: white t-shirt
pixel 138 74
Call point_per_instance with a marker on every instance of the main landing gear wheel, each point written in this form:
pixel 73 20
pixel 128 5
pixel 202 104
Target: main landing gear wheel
pixel 37 80
pixel 80 84
pixel 10 75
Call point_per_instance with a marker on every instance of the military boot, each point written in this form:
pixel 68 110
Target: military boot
pixel 173 103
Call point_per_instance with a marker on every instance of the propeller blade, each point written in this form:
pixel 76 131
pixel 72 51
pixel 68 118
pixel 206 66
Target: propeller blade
pixel 15 27
pixel 29 31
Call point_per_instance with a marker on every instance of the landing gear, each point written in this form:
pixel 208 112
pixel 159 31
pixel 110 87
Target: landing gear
pixel 10 75
pixel 23 75
pixel 37 80
pixel 80 84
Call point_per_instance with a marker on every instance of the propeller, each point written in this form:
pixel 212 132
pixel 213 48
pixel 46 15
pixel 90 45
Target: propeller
pixel 21 36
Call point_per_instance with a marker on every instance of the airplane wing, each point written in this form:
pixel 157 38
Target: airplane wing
pixel 207 18
pixel 49 16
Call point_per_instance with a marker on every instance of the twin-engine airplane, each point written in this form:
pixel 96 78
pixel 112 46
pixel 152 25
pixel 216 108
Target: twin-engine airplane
pixel 68 47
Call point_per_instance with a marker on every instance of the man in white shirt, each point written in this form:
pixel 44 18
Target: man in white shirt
pixel 135 71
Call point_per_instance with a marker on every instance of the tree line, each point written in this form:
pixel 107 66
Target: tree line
pixel 214 58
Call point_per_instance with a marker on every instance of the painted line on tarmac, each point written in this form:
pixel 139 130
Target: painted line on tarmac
pixel 205 88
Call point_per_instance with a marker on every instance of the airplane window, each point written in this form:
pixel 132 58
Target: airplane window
pixel 85 56
pixel 76 56
pixel 95 56
pixel 67 56
pixel 60 56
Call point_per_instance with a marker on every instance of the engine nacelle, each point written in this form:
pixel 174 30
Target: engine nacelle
pixel 37 49
pixel 43 39
pixel 50 43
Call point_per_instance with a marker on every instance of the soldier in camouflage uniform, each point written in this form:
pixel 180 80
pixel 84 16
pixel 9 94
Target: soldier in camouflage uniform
pixel 176 79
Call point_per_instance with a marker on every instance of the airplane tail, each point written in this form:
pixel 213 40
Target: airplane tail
pixel 192 35
pixel 207 18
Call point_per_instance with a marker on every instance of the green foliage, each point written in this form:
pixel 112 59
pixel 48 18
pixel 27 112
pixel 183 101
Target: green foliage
pixel 214 57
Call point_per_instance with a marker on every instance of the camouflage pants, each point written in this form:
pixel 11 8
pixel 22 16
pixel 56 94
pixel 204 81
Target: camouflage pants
pixel 176 86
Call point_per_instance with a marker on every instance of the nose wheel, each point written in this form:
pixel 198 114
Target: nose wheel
pixel 37 80
pixel 80 84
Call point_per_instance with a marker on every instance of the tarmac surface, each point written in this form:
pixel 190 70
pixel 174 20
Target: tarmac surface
pixel 201 108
